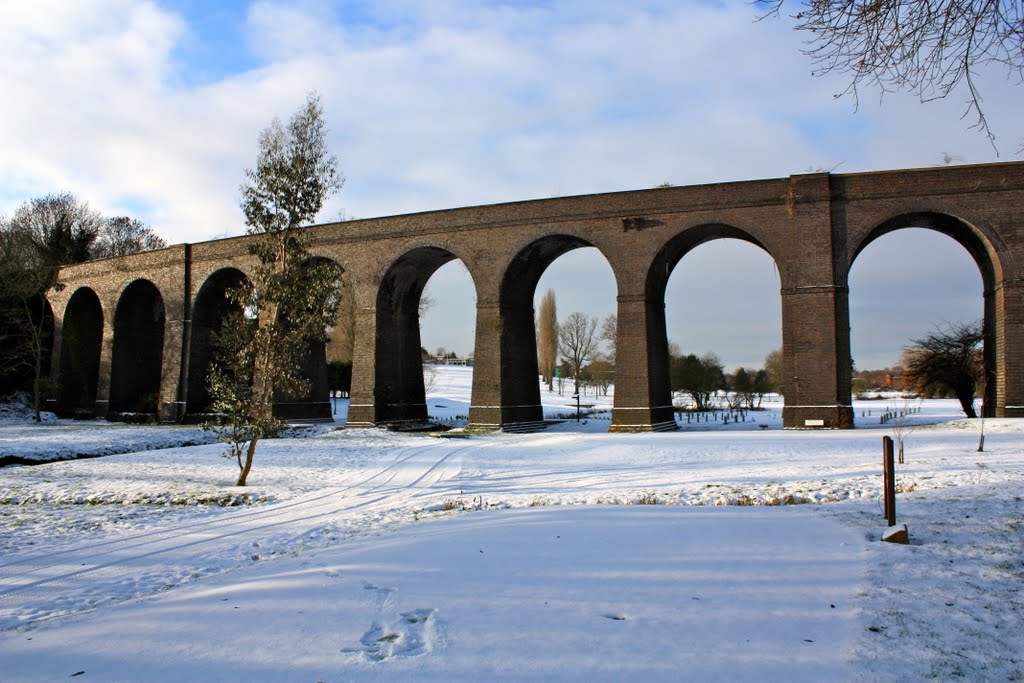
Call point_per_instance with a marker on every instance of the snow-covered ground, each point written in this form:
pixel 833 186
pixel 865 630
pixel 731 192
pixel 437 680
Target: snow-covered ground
pixel 719 552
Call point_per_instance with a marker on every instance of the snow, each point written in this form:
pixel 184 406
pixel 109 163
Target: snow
pixel 720 552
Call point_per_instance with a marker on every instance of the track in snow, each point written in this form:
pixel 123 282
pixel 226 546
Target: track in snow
pixel 43 586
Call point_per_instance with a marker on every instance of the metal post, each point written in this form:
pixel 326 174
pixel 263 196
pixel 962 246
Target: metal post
pixel 889 477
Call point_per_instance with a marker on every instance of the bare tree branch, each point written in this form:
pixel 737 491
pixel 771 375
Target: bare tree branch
pixel 929 47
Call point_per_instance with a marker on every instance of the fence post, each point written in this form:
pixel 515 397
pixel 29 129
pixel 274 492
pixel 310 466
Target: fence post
pixel 889 480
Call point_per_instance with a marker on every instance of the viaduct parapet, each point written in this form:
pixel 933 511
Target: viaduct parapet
pixel 133 333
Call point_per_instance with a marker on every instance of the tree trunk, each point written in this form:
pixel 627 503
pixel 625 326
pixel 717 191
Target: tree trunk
pixel 35 394
pixel 250 453
pixel 966 396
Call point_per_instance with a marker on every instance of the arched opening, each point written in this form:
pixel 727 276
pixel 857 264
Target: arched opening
pixel 315 404
pixel 211 308
pixel 908 278
pixel 399 392
pixel 340 349
pixel 578 289
pixel 720 289
pixel 583 284
pixel 448 334
pixel 138 352
pixel 81 340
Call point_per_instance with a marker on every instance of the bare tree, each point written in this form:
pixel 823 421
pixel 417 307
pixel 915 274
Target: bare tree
pixel 62 226
pixel 577 341
pixel 949 358
pixel 122 235
pixel 26 323
pixel 44 234
pixel 547 338
pixel 900 423
pixel 928 47
pixel 609 330
pixel 290 300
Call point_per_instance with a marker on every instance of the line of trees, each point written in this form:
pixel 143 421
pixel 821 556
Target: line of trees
pixel 44 234
pixel 703 377
pixel 577 340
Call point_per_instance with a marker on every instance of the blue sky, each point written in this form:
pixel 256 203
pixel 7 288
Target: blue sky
pixel 153 109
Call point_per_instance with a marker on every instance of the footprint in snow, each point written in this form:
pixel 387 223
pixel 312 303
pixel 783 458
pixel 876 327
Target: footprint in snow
pixel 410 636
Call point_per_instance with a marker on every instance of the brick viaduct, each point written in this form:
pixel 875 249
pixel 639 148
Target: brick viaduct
pixel 133 333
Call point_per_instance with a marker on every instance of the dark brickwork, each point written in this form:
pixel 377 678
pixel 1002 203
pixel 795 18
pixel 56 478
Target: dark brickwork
pixel 812 225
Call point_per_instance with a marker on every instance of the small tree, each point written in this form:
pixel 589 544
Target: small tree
pixel 577 341
pixel 743 385
pixel 547 338
pixel 602 373
pixel 900 424
pixel 291 299
pixel 950 358
pixel 762 386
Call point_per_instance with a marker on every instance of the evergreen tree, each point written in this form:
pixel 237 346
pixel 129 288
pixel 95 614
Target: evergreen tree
pixel 291 299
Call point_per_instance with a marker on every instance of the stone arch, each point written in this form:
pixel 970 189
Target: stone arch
pixel 520 391
pixel 81 343
pixel 210 309
pixel 656 282
pixel 988 256
pixel 137 357
pixel 399 393
pixel 673 251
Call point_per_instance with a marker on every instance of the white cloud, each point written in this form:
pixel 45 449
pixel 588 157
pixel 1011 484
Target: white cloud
pixel 441 104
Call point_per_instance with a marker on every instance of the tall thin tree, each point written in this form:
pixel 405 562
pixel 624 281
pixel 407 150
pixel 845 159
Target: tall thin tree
pixel 547 338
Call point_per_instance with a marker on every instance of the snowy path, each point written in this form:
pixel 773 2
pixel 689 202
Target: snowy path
pixel 82 576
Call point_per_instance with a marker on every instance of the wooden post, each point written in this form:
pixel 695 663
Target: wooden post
pixel 889 477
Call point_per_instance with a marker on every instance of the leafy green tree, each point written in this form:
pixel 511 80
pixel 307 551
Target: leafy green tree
pixel 291 299
pixel 743 384
pixel 700 377
pixel 762 386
